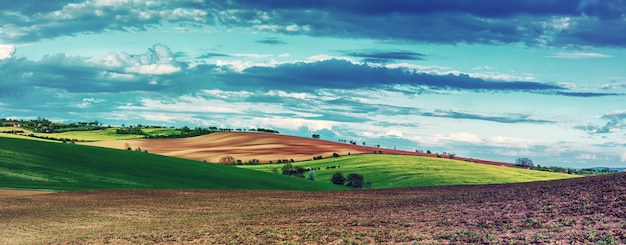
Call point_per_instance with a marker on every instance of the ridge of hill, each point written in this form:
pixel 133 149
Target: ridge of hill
pixel 394 171
pixel 261 146
pixel 30 164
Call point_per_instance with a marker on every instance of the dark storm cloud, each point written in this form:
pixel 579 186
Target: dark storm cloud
pixel 36 20
pixel 586 94
pixel 534 22
pixel 271 41
pixel 379 56
pixel 33 6
pixel 341 74
pixel 506 118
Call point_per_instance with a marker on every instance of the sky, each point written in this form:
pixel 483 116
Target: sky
pixel 488 79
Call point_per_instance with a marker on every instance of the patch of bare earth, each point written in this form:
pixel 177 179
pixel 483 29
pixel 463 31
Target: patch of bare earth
pixel 586 210
pixel 15 193
pixel 247 146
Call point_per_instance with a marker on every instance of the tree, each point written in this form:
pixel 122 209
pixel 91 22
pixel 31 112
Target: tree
pixel 287 169
pixel 311 176
pixel 315 136
pixel 355 180
pixel 524 162
pixel 338 179
pixel 299 172
pixel 230 160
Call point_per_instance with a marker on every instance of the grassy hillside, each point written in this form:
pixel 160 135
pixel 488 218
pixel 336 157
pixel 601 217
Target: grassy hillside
pixel 390 171
pixel 56 166
pixel 92 135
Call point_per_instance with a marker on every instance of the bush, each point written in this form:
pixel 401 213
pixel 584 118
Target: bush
pixel 287 168
pixel 230 160
pixel 338 179
pixel 311 176
pixel 299 172
pixel 355 180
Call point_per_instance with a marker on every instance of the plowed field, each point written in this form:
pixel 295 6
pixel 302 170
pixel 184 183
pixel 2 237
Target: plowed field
pixel 588 210
pixel 248 146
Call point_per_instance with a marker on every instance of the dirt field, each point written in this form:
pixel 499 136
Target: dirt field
pixel 15 193
pixel 247 146
pixel 586 210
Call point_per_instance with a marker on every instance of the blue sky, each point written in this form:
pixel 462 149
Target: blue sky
pixel 487 79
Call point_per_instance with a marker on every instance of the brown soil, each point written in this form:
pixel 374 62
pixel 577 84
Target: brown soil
pixel 4 193
pixel 247 146
pixel 586 210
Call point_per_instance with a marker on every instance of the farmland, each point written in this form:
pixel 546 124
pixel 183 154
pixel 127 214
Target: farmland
pixel 33 164
pixel 392 171
pixel 266 148
pixel 88 135
pixel 580 211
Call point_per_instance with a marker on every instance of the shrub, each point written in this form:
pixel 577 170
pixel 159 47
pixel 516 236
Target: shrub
pixel 338 178
pixel 287 168
pixel 230 160
pixel 355 180
pixel 299 172
pixel 311 176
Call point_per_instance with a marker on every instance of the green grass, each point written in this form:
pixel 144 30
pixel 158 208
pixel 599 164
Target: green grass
pixel 391 171
pixel 33 164
pixel 93 135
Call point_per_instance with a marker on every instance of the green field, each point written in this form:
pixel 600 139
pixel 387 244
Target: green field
pixel 31 164
pixel 93 135
pixel 391 171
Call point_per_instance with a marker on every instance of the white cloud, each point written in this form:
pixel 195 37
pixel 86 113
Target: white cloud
pixel 254 56
pixel 294 123
pixel 184 103
pixel 578 55
pixel 511 142
pixel 279 28
pixel 227 94
pixel 614 85
pixel 488 73
pixel 153 69
pixel 6 51
pixel 466 137
pixel 284 94
pixel 88 102
pixel 622 157
pixel 558 23
pixel 240 65
pixel 394 132
pixel 159 60
pixel 586 156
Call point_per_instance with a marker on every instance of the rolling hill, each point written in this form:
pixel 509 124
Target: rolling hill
pixel 30 164
pixel 392 171
pixel 247 146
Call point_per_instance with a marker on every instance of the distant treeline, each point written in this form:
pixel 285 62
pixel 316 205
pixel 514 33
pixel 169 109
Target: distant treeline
pixel 43 125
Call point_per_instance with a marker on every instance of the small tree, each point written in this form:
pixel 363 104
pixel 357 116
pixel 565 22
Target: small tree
pixel 355 180
pixel 311 176
pixel 299 172
pixel 338 179
pixel 287 168
pixel 230 160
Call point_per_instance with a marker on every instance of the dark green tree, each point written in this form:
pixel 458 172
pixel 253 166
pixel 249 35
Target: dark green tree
pixel 355 180
pixel 338 179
